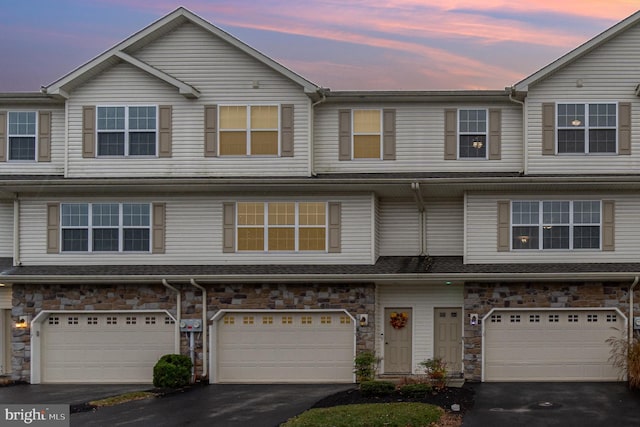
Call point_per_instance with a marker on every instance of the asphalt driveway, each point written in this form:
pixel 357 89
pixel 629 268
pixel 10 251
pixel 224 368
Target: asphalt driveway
pixel 553 404
pixel 219 405
pixel 69 394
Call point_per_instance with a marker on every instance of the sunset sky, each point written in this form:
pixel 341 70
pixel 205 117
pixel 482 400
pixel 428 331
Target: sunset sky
pixel 340 44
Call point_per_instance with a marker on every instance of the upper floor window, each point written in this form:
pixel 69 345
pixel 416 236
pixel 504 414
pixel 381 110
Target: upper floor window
pixel 22 135
pixel 367 134
pixel 281 226
pixel 587 128
pixel 472 134
pixel 555 224
pixel 249 130
pixel 105 227
pixel 127 130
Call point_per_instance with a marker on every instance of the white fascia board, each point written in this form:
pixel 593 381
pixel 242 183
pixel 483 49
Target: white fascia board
pixel 180 14
pixel 185 89
pixel 620 27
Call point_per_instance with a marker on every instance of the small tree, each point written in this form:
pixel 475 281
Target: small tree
pixel 366 366
pixel 436 370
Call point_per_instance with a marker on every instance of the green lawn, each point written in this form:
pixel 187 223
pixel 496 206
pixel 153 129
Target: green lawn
pixel 369 415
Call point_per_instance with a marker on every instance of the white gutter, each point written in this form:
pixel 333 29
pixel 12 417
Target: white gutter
pixel 525 153
pixel 631 291
pixel 16 231
pixel 178 315
pixel 205 327
pixel 312 169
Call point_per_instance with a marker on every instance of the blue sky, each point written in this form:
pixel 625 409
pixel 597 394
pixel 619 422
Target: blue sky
pixel 343 45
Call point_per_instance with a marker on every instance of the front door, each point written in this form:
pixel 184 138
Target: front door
pixel 448 337
pixel 397 340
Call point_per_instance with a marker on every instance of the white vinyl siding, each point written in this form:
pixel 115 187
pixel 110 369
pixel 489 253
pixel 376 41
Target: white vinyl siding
pixel 33 167
pixel 6 229
pixel 399 227
pixel 481 239
pixel 223 75
pixel 420 140
pixel 609 73
pixel 445 227
pixel 422 300
pixel 194 234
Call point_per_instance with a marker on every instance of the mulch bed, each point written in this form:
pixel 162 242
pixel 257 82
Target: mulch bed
pixel 463 396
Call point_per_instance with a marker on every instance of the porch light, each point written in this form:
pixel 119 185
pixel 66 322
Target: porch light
pixel 363 320
pixel 477 144
pixel 22 322
pixel 523 239
pixel 576 122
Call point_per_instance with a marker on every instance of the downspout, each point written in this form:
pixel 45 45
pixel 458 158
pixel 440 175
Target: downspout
pixel 205 326
pixel 66 138
pixel 178 314
pixel 525 153
pixel 312 168
pixel 417 195
pixel 16 231
pixel 631 290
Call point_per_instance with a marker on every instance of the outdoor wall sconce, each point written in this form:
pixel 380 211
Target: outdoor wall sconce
pixel 473 319
pixel 23 322
pixel 363 320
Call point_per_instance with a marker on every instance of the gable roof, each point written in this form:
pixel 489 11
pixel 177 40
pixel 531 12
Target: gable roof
pixel 122 52
pixel 578 52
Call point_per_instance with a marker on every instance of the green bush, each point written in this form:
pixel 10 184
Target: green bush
pixel 366 364
pixel 172 371
pixel 416 390
pixel 377 388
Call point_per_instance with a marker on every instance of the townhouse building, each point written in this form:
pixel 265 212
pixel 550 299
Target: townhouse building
pixel 184 193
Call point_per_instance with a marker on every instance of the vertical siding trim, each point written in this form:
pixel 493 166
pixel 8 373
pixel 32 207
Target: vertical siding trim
pixel 335 218
pixel 495 134
pixel 44 136
pixel 504 225
pixel 389 134
pixel 210 130
pixel 89 132
pixel 286 130
pixel 548 129
pixel 228 227
pixel 53 228
pixel 165 130
pixel 344 134
pixel 624 128
pixel 159 228
pixel 450 134
pixel 3 136
pixel 608 225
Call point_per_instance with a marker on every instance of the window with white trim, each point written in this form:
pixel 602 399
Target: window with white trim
pixel 367 134
pixel 555 224
pixel 22 135
pixel 249 130
pixel 105 227
pixel 587 128
pixel 472 134
pixel 127 130
pixel 281 226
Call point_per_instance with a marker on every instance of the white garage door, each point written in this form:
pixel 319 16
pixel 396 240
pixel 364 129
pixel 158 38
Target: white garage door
pixel 104 348
pixel 550 345
pixel 278 347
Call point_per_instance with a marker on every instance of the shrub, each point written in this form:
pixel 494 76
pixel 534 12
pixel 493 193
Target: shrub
pixel 417 390
pixel 625 355
pixel 172 371
pixel 436 370
pixel 377 388
pixel 366 365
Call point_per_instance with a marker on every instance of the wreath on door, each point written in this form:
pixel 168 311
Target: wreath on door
pixel 398 320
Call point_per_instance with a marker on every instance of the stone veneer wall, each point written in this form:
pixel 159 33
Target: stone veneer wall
pixel 31 299
pixel 482 297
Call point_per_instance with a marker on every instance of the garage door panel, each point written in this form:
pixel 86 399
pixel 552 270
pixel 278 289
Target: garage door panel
pixel 550 345
pixel 289 347
pixel 107 348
